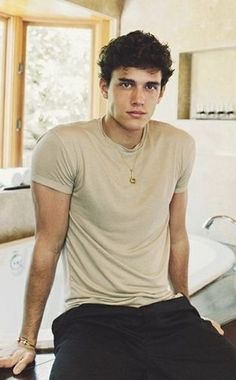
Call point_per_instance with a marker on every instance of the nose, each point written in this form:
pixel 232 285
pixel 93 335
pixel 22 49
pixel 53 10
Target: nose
pixel 138 97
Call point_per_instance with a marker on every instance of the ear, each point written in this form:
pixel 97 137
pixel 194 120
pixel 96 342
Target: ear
pixel 104 88
pixel 161 94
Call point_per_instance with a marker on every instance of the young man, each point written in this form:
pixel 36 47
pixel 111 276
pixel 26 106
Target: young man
pixel 111 195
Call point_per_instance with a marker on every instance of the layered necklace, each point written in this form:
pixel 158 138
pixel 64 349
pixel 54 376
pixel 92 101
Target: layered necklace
pixel 137 150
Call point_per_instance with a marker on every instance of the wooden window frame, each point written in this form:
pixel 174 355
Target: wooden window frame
pixel 12 136
pixel 2 89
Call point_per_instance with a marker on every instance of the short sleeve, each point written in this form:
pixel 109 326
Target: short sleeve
pixel 187 158
pixel 53 164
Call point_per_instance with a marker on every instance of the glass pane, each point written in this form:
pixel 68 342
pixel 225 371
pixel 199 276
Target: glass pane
pixel 58 80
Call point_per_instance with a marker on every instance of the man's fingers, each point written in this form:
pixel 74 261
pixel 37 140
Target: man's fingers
pixel 23 360
pixel 215 324
pixel 217 327
pixel 8 359
pixel 18 358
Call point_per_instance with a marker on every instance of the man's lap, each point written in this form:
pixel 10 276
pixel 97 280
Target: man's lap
pixel 166 340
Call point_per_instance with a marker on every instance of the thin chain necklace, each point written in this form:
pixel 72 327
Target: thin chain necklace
pixel 132 178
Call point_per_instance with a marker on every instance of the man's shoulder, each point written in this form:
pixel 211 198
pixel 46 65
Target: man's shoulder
pixel 69 135
pixel 165 130
pixel 74 129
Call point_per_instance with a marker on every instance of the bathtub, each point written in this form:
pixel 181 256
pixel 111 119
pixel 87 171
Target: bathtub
pixel 208 261
pixel 15 258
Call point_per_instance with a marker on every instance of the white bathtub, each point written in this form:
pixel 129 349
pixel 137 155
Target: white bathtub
pixel 208 261
pixel 15 258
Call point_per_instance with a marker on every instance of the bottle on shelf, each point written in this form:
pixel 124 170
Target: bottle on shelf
pixel 201 112
pixel 230 112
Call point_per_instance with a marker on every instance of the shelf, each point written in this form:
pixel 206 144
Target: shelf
pixel 206 83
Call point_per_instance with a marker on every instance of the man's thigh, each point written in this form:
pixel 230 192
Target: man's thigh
pixel 97 346
pixel 188 347
pixel 92 363
pixel 166 340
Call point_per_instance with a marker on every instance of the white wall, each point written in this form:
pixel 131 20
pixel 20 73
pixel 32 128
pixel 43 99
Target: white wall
pixel 193 25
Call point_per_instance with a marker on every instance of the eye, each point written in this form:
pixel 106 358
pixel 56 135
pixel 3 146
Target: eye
pixel 126 85
pixel 151 86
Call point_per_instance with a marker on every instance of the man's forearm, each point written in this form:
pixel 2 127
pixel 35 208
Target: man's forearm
pixel 38 288
pixel 178 265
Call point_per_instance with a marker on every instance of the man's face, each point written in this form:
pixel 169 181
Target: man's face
pixel 132 95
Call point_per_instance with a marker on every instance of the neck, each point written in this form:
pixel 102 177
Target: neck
pixel 121 135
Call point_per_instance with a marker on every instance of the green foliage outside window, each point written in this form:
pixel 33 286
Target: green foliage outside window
pixel 57 81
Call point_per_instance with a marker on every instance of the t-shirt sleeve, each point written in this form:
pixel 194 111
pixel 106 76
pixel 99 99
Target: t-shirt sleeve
pixel 52 163
pixel 188 157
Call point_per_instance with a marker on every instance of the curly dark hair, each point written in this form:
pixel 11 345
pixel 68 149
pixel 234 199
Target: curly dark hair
pixel 135 49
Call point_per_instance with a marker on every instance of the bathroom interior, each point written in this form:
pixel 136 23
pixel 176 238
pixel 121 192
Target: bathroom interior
pixel 200 98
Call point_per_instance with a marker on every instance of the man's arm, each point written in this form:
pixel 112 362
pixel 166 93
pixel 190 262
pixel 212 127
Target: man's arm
pixel 179 248
pixel 179 245
pixel 51 211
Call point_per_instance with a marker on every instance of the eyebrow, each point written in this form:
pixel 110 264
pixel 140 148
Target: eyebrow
pixel 131 81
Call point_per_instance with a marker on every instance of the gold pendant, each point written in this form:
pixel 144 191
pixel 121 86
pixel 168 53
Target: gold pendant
pixel 132 179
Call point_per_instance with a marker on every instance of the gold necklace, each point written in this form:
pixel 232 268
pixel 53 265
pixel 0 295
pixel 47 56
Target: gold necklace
pixel 132 178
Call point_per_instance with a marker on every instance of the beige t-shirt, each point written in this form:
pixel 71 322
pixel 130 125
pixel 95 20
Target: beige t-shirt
pixel 117 247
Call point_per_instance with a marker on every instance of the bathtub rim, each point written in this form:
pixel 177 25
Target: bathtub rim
pixel 225 261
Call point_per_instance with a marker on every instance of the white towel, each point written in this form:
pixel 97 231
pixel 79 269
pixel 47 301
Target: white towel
pixel 10 178
pixel 25 172
pixel 13 177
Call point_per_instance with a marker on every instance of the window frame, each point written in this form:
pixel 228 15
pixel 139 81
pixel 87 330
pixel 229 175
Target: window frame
pixel 2 87
pixel 12 140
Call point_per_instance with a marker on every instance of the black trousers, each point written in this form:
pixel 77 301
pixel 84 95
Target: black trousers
pixel 164 340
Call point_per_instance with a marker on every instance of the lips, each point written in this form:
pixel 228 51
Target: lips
pixel 136 114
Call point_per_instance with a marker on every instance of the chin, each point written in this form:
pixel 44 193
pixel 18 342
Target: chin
pixel 135 126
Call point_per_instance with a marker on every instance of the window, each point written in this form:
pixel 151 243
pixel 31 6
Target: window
pixel 58 76
pixel 48 75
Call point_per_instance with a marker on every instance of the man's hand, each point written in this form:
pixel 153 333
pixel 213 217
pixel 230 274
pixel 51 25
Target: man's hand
pixel 216 325
pixel 17 357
